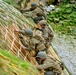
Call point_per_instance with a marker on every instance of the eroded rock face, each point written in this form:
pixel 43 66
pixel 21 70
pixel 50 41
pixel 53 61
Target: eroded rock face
pixel 11 19
pixel 66 49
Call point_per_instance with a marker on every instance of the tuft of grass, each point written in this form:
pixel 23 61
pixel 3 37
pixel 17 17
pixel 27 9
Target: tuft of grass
pixel 15 59
pixel 13 3
pixel 15 64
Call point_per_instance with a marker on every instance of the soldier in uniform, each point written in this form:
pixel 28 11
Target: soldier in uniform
pixel 48 32
pixel 35 42
pixel 49 64
pixel 36 13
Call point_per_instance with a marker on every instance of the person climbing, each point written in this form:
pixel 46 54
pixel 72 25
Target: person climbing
pixel 47 31
pixel 36 42
pixel 36 13
pixel 49 64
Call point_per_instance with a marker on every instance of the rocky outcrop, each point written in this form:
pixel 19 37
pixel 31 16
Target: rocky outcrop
pixel 66 49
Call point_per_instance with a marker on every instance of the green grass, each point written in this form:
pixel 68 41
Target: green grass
pixel 23 66
pixel 13 3
pixel 63 21
pixel 14 59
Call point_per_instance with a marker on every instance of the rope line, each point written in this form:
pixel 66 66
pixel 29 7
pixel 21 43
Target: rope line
pixel 12 48
pixel 6 32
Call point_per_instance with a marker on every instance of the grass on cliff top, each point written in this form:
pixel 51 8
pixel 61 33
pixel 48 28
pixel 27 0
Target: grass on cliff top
pixel 63 19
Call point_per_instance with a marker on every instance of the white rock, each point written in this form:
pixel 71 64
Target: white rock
pixel 50 8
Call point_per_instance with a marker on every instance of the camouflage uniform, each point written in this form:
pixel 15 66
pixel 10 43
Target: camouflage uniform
pixel 46 42
pixel 36 42
pixel 50 64
pixel 48 32
pixel 36 14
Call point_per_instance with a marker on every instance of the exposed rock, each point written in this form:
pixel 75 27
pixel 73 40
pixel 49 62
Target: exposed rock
pixel 66 49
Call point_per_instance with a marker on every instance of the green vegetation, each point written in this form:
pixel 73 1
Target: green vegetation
pixel 14 65
pixel 19 4
pixel 63 19
pixel 13 3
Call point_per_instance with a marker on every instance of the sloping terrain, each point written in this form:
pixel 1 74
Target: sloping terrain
pixel 11 19
pixel 11 65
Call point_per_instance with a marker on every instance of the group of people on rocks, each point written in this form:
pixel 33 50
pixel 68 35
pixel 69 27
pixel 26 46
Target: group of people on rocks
pixel 39 40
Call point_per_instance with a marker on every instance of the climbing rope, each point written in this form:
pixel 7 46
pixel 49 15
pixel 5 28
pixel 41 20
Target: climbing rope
pixel 5 34
pixel 13 47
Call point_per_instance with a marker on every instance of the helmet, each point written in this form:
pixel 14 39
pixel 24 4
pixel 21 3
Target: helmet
pixel 33 4
pixel 42 22
pixel 49 73
pixel 28 32
pixel 41 54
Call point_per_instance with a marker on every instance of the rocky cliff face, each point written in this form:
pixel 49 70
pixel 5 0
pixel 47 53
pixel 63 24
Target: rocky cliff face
pixel 66 49
pixel 11 19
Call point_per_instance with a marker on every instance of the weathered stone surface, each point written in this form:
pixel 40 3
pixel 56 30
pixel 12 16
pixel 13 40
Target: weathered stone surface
pixel 66 49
